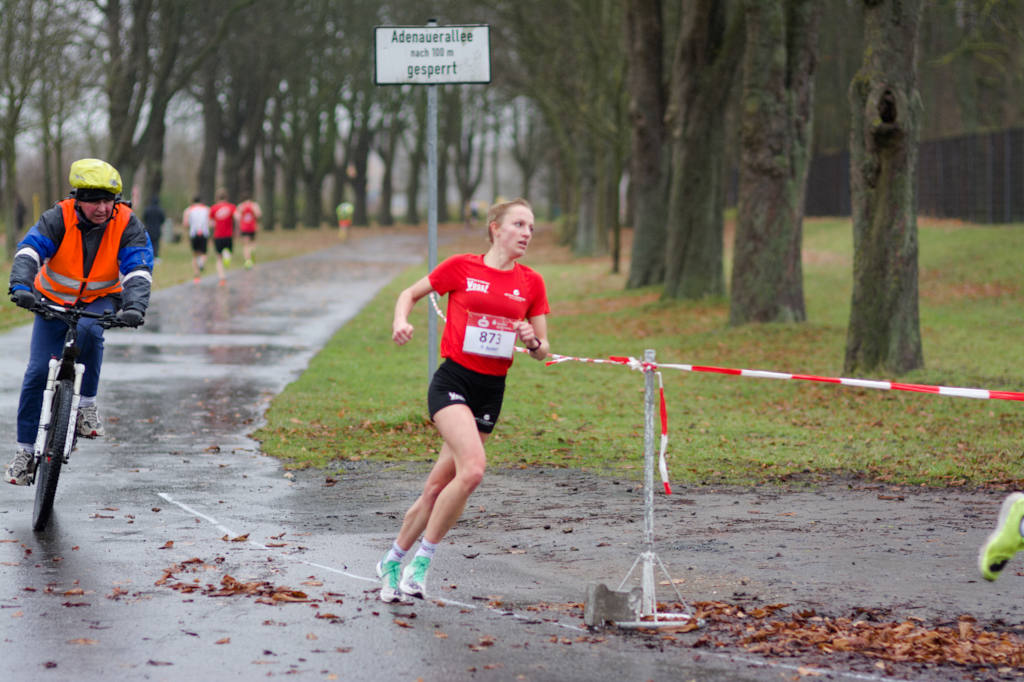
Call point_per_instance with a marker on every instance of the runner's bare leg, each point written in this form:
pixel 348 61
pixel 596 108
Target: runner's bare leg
pixel 456 474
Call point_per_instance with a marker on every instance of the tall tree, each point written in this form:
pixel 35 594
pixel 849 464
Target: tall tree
pixel 269 160
pixel 708 51
pixel 528 139
pixel 417 153
pixel 884 331
pixel 248 66
pixel 72 69
pixel 394 121
pixel 149 59
pixel 649 162
pixel 469 152
pixel 21 54
pixel 775 144
pixel 575 75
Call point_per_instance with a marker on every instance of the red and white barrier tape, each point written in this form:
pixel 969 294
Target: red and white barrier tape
pixel 955 391
pixel 633 363
pixel 662 467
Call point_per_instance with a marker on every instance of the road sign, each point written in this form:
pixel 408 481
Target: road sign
pixel 432 55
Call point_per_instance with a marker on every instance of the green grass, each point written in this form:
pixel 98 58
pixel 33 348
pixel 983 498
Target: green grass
pixel 722 429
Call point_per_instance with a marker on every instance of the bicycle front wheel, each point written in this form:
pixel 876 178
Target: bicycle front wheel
pixel 48 469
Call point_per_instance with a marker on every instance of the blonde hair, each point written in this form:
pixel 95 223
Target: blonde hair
pixel 497 212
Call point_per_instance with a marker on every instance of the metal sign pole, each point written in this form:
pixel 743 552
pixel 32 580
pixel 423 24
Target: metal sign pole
pixel 432 55
pixel 432 213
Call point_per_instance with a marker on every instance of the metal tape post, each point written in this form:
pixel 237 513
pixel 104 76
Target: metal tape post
pixel 649 616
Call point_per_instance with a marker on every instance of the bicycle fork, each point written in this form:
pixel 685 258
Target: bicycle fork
pixel 46 413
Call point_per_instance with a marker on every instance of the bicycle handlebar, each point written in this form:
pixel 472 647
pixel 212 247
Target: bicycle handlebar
pixel 53 311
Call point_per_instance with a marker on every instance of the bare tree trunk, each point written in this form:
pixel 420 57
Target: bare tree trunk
pixel 10 193
pixel 387 149
pixel 269 161
pixel 767 277
pixel 360 161
pixel 206 177
pixel 528 135
pixel 154 164
pixel 884 330
pixel 585 239
pixel 710 46
pixel 649 164
pixel 290 217
pixel 417 158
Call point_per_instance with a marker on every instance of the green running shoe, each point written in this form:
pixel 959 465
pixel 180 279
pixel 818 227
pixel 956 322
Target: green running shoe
pixel 388 572
pixel 1005 540
pixel 414 577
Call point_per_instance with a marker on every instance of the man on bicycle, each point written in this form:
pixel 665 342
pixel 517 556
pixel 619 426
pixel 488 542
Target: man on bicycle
pixel 88 250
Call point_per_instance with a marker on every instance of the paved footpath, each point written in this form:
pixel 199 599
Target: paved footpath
pixel 175 538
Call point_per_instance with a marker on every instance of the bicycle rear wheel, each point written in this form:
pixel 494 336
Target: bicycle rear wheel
pixel 48 469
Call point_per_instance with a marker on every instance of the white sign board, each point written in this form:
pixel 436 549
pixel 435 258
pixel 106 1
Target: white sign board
pixel 430 55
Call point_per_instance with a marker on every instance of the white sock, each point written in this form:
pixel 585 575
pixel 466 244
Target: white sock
pixel 86 401
pixel 426 549
pixel 396 553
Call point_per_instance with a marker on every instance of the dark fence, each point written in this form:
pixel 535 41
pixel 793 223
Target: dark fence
pixel 977 178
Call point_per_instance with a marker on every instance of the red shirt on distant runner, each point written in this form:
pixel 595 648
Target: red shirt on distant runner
pixel 223 216
pixel 471 286
pixel 248 213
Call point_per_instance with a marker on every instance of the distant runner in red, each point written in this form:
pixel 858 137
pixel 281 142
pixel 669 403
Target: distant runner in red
pixel 248 214
pixel 223 216
pixel 492 302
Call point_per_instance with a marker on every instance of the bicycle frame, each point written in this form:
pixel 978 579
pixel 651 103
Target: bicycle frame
pixel 65 367
pixel 61 398
pixel 59 369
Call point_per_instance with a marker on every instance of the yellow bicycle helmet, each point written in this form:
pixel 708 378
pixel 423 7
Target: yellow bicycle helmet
pixel 94 180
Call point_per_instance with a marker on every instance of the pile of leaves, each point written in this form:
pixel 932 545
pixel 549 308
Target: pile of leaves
pixel 908 641
pixel 263 591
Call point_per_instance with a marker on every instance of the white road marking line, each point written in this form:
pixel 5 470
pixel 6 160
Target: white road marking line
pixel 502 612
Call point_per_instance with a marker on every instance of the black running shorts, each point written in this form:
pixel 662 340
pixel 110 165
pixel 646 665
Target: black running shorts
pixel 482 393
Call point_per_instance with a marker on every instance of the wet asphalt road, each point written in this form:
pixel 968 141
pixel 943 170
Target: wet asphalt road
pixel 150 520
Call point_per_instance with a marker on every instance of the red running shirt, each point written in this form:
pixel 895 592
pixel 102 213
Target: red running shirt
pixel 471 286
pixel 223 216
pixel 248 213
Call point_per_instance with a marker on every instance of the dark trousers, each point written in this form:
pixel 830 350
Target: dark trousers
pixel 48 342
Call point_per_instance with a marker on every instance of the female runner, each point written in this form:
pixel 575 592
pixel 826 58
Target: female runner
pixel 492 301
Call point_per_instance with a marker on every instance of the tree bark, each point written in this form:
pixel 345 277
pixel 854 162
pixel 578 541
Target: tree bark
pixel 775 133
pixel 417 157
pixel 884 330
pixel 709 48
pixel 206 174
pixel 269 162
pixel 649 163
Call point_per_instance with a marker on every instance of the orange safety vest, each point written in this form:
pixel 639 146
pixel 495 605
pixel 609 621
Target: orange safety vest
pixel 62 279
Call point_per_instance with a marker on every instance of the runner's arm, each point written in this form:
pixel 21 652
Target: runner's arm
pixel 532 330
pixel 401 330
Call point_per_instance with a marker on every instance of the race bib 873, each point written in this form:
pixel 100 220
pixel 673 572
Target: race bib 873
pixel 490 335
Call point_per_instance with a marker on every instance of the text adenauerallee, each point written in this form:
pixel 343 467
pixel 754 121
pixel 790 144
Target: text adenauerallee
pixel 422 37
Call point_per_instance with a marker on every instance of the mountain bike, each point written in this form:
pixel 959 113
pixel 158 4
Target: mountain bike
pixel 58 419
